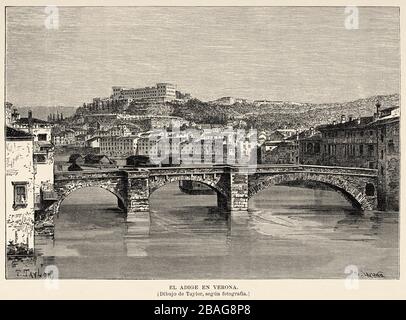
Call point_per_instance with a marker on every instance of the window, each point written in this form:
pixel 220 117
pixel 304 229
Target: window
pixel 42 137
pixel 391 146
pixel 361 150
pixel 20 194
pixel 40 158
pixel 370 149
pixel 369 189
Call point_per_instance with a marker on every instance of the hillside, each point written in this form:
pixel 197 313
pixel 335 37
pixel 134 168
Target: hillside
pixel 42 112
pixel 277 115
pixel 265 117
pixel 203 112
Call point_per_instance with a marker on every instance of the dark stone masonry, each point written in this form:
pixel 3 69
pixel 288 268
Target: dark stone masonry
pixel 234 187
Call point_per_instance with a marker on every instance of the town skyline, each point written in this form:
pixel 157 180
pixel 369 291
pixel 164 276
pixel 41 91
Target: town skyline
pixel 244 60
pixel 214 99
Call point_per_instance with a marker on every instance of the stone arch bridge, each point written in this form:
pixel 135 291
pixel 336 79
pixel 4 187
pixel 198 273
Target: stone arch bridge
pixel 234 185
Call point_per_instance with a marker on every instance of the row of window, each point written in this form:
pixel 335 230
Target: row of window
pixel 349 133
pixel 350 149
pixel 116 143
pixel 119 148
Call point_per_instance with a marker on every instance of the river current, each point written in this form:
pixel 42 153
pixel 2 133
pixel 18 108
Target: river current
pixel 291 233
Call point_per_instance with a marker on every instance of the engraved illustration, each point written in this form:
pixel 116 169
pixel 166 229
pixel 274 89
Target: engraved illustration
pixel 202 142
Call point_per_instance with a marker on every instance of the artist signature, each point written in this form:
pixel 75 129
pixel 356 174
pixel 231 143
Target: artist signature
pixel 26 273
pixel 371 275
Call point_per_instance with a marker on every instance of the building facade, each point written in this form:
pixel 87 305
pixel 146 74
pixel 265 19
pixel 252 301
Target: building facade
pixel 351 143
pixel 388 153
pixel 279 147
pixel 367 142
pixel 20 184
pixel 148 145
pixel 284 152
pixel 118 146
pixel 43 155
pixel 162 92
pixel 63 138
pixel 309 147
pixel 8 112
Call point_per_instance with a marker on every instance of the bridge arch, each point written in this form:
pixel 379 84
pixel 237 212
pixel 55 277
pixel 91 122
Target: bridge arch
pixel 66 190
pixel 212 183
pixel 352 189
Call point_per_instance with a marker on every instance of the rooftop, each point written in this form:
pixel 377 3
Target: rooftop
pixel 353 124
pixel 25 121
pixel 12 133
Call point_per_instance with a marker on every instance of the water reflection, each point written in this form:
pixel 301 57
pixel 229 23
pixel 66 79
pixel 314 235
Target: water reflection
pixel 291 232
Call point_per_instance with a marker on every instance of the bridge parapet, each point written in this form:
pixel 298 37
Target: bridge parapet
pixel 186 170
pixel 317 169
pixel 88 175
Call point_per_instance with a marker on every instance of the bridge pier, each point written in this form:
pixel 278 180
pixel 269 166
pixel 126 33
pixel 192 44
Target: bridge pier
pixel 138 215
pixel 223 204
pixel 121 205
pixel 44 225
pixel 238 201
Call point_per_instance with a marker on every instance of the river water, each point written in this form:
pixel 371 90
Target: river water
pixel 291 233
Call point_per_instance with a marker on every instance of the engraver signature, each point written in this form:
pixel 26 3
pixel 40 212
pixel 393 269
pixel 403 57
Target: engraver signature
pixel 371 275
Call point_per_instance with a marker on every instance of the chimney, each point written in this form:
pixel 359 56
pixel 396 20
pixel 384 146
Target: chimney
pixel 29 118
pixel 311 131
pixel 350 118
pixel 15 115
pixel 378 106
pixel 358 120
pixel 343 118
pixel 334 122
pixel 378 109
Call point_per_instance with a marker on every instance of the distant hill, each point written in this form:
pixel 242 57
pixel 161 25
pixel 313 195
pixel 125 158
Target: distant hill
pixel 42 112
pixel 278 114
pixel 267 116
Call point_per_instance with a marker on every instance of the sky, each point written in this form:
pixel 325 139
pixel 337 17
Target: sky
pixel 278 53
